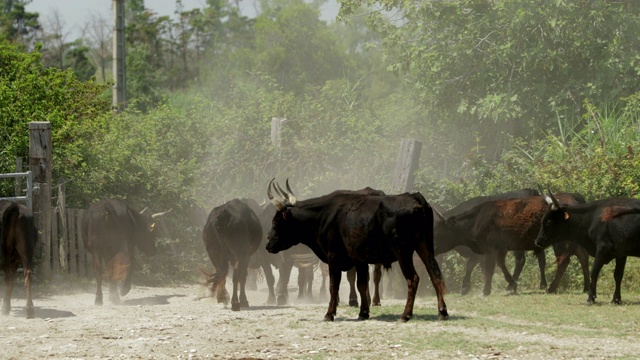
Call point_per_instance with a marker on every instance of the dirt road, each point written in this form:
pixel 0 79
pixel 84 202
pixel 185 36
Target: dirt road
pixel 159 323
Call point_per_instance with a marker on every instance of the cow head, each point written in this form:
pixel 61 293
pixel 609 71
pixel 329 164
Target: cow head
pixel 552 222
pixel 282 235
pixel 146 239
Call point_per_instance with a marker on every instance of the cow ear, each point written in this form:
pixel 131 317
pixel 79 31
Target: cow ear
pixel 566 215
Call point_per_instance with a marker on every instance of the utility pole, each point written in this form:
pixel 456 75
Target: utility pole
pixel 119 74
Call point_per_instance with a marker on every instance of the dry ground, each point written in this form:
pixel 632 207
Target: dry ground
pixel 159 323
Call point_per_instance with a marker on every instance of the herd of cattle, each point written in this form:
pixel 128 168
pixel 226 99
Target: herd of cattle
pixel 348 231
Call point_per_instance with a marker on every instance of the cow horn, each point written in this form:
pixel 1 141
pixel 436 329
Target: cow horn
pixel 279 205
pixel 157 215
pixel 143 210
pixel 292 198
pixel 438 213
pixel 553 199
pixel 285 195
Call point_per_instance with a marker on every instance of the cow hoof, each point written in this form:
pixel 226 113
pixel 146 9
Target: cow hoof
pixel 271 300
pixel 464 291
pixel 328 318
pixel 98 302
pixel 405 318
pixel 30 314
pixel 363 316
pixel 616 301
pixel 235 307
pixel 591 301
pixel 244 304
pixel 282 300
pixel 5 311
pixel 353 303
pixel 443 315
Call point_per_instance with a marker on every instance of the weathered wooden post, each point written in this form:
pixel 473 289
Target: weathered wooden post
pixel 277 124
pixel 119 72
pixel 18 179
pixel 403 181
pixel 406 165
pixel 60 251
pixel 40 166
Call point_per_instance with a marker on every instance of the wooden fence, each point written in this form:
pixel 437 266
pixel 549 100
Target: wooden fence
pixel 68 254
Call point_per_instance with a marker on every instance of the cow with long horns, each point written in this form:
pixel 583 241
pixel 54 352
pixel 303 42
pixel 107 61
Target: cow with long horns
pixel 347 229
pixel 111 231
pixel 608 229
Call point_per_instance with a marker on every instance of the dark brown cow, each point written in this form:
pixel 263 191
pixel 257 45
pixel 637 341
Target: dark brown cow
pixel 351 229
pixel 232 234
pixel 495 227
pixel 18 237
pixel 111 231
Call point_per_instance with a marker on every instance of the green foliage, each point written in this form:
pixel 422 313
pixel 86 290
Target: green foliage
pixel 17 26
pixel 29 92
pixel 507 68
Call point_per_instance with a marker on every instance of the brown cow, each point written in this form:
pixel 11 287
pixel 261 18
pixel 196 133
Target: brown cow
pixel 18 236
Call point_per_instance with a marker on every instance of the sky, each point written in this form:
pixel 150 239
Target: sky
pixel 75 13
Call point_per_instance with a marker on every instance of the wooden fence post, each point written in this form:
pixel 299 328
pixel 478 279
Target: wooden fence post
pixel 71 221
pixel 276 131
pixel 18 179
pixel 406 165
pixel 40 165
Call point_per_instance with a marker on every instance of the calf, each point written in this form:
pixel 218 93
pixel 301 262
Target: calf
pixel 608 229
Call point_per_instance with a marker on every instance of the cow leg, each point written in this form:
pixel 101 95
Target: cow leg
pixel 618 273
pixel 9 282
pixel 240 273
pixel 97 269
pixel 335 275
pixel 433 269
pixel 595 272
pixel 283 282
pixel 26 256
pixel 377 276
pixel 324 270
pixel 363 288
pixel 563 258
pixel 583 257
pixel 268 274
pixel 512 281
pixel 126 284
pixel 471 263
pixel 410 274
pixel 27 287
pixel 488 270
pixel 302 282
pixel 351 277
pixel 114 297
pixel 310 276
pixel 542 265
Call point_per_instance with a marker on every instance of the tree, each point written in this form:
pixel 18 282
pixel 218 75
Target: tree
pixel 55 40
pixel 17 26
pixel 78 60
pixel 97 33
pixel 483 67
pixel 295 47
pixel 31 92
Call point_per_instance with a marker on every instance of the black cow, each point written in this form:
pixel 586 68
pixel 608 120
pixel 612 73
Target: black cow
pixel 232 234
pixel 18 237
pixel 111 230
pixel 352 229
pixel 495 227
pixel 299 256
pixel 608 229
